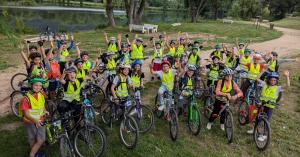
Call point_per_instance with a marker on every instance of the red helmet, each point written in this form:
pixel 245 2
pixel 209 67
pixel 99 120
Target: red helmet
pixel 257 56
pixel 165 62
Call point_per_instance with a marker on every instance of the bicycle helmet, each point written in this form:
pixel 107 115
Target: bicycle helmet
pixel 165 62
pixel 192 67
pixel 214 57
pixel 124 65
pixel 34 79
pixel 241 44
pixel 112 38
pixel 172 42
pixel 274 53
pixel 196 42
pixel 227 71
pixel 71 69
pixel 273 75
pixel 84 53
pixel 137 62
pixel 257 56
pixel 195 47
pixel 247 50
pixel 161 36
pixel 158 43
pixel 139 39
pixel 101 65
pixel 110 53
pixel 218 47
pixel 78 60
pixel 124 45
pixel 177 55
pixel 62 42
pixel 32 47
pixel 34 55
pixel 181 38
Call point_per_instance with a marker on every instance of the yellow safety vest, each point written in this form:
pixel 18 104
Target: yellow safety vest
pixel 269 94
pixel 36 106
pixel 218 54
pixel 214 72
pixel 42 73
pixel 71 94
pixel 168 80
pixel 64 54
pixel 188 85
pixel 180 49
pixel 224 89
pixel 198 51
pixel 241 51
pixel 137 52
pixel 253 71
pixel 126 58
pixel 112 47
pixel 192 59
pixel 80 73
pixel 272 67
pixel 245 60
pixel 172 51
pixel 87 65
pixel 121 89
pixel 228 63
pixel 158 54
pixel 135 79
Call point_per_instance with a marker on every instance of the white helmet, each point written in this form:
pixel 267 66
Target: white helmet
pixel 227 71
pixel 112 38
pixel 192 67
pixel 124 65
pixel 110 53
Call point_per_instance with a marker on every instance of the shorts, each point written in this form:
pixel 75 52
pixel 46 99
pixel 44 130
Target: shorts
pixel 157 67
pixel 52 85
pixel 242 74
pixel 33 133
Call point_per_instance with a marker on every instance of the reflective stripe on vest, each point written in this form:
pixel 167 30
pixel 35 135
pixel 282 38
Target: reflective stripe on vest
pixel 135 79
pixel 87 65
pixel 71 94
pixel 111 64
pixel 228 63
pixel 137 52
pixel 54 71
pixel 192 59
pixel 172 50
pixel 189 85
pixel 168 80
pixel 214 72
pixel 158 54
pixel 112 47
pixel 80 73
pixel 269 94
pixel 36 105
pixel 63 55
pixel 180 49
pixel 272 67
pixel 245 60
pixel 253 71
pixel 122 90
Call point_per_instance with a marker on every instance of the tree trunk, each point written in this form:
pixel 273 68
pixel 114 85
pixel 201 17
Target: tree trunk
pixel 196 11
pixel 133 14
pixel 110 13
pixel 216 12
pixel 139 13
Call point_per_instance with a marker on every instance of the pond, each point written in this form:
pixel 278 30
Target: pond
pixel 73 19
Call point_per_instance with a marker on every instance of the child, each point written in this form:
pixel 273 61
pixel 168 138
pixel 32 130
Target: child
pixel 86 65
pixel 111 43
pixel 80 72
pixel 246 59
pixel 64 51
pixel 197 43
pixel 217 52
pixel 123 50
pixel 193 58
pixel 33 108
pixel 162 39
pixel 231 60
pixel 240 46
pixel 171 50
pixel 214 68
pixel 137 48
pixel 158 54
pixel 137 76
pixel 224 87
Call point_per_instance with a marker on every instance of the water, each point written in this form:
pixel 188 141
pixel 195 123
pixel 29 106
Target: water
pixel 72 18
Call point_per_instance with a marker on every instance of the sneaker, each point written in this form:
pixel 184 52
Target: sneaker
pixel 158 78
pixel 161 107
pixel 222 127
pixel 262 138
pixel 39 154
pixel 208 126
pixel 133 112
pixel 250 131
pixel 152 79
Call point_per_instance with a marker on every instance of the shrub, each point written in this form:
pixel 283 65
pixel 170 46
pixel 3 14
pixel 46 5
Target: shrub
pixel 101 26
pixel 62 30
pixel 294 14
pixel 28 3
pixel 25 30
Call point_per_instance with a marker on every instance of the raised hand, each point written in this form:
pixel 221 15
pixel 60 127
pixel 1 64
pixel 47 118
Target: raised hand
pixel 72 37
pixel 21 46
pixel 297 59
pixel 119 36
pixel 286 72
pixel 136 36
pixel 77 44
pixel 105 34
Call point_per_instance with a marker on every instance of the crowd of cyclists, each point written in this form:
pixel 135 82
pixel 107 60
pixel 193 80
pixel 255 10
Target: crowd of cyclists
pixel 177 63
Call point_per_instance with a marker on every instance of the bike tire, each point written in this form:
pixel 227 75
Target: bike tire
pixel 173 124
pixel 146 121
pixel 16 83
pixel 201 90
pixel 194 120
pixel 208 106
pixel 263 125
pixel 96 96
pixel 65 146
pixel 86 137
pixel 50 107
pixel 44 36
pixel 15 101
pixel 128 123
pixel 229 126
pixel 243 113
pixel 105 110
pixel 91 116
pixel 158 113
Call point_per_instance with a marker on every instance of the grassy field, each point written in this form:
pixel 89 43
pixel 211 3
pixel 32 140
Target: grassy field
pixel 215 30
pixel 284 123
pixel 293 23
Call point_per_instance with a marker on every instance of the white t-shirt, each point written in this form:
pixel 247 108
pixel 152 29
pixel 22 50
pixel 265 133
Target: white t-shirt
pixel 116 80
pixel 263 84
pixel 159 73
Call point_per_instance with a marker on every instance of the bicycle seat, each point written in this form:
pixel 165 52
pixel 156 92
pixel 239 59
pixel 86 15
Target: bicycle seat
pixel 25 88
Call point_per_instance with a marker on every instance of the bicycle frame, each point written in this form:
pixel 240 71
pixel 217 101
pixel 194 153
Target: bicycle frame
pixel 251 90
pixel 137 98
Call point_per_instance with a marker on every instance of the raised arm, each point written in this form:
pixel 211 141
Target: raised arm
pixel 68 58
pixel 151 70
pixel 119 42
pixel 78 50
pixel 41 43
pixel 153 42
pixel 259 81
pixel 59 51
pixel 27 63
pixel 237 43
pixel 27 48
pixel 47 58
pixel 133 41
pixel 62 77
pixel 287 77
pixel 248 43
pixel 205 42
pixel 105 36
pixel 71 44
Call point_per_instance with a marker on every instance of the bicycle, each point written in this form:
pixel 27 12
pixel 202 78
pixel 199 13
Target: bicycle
pixel 171 110
pixel 46 35
pixel 142 114
pixel 209 100
pixel 19 80
pixel 89 111
pixel 229 125
pixel 88 140
pixel 248 113
pixel 128 125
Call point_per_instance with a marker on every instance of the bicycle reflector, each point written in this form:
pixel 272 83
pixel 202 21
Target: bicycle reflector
pixel 215 115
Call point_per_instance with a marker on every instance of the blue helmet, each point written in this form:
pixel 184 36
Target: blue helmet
pixel 137 62
pixel 273 74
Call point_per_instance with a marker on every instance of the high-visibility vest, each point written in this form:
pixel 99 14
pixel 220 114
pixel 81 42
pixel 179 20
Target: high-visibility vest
pixel 80 73
pixel 269 94
pixel 180 49
pixel 121 88
pixel 273 66
pixel 192 59
pixel 112 47
pixel 135 79
pixel 87 65
pixel 64 54
pixel 245 60
pixel 168 80
pixel 39 71
pixel 137 52
pixel 111 65
pixel 72 94
pixel 36 106
pixel 214 72
pixel 218 54
pixel 172 50
pixel 224 89
pixel 158 53
pixel 253 71
pixel 229 63
pixel 54 71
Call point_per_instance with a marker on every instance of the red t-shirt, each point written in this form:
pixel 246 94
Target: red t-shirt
pixel 261 66
pixel 26 106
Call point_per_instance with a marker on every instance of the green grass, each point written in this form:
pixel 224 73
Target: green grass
pixel 293 23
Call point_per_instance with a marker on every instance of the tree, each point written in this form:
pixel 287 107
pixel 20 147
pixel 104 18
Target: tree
pixel 195 11
pixel 246 9
pixel 279 8
pixel 7 29
pixel 110 13
pixel 133 12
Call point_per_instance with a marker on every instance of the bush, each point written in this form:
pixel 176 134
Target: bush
pixel 62 30
pixel 101 26
pixel 25 30
pixel 294 14
pixel 28 3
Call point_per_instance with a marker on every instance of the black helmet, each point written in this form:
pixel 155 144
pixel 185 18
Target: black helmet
pixel 47 51
pixel 32 47
pixel 196 42
pixel 84 53
pixel 78 60
pixel 274 53
pixel 71 69
pixel 62 42
pixel 214 57
pixel 161 36
pixel 124 45
pixel 34 55
pixel 172 42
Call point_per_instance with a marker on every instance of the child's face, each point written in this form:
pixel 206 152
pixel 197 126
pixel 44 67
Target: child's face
pixel 85 57
pixel 172 45
pixel 137 67
pixel 79 65
pixel 228 77
pixel 255 60
pixel 37 86
pixel 112 41
pixel 272 81
pixel 197 44
pixel 247 54
pixel 138 43
pixel 124 48
pixel 157 46
pixel 216 60
pixel 36 60
pixel 218 49
pixel 177 59
pixel 190 73
pixel 32 50
pixel 182 41
pixel 65 46
pixel 72 76
pixel 165 67
pixel 241 46
pixel 125 71
pixel 111 57
pixel 229 53
pixel 51 56
pixel 194 51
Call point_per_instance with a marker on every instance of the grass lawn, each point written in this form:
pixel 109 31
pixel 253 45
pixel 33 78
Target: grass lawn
pixel 293 23
pixel 215 30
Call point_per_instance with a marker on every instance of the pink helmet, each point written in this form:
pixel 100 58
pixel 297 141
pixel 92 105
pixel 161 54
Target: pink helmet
pixel 257 56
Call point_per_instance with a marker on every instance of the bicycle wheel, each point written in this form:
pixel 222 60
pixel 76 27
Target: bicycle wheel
pixel 262 134
pixel 105 110
pixel 199 94
pixel 96 96
pixel 19 80
pixel 129 132
pixel 89 140
pixel 229 125
pixel 90 115
pixel 194 120
pixel 15 101
pixel 50 107
pixel 173 124
pixel 243 113
pixel 143 116
pixel 158 113
pixel 59 96
pixel 44 36
pixel 208 106
pixel 65 146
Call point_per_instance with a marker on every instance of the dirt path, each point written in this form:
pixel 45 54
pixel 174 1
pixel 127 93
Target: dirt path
pixel 285 45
